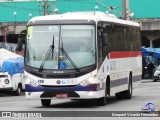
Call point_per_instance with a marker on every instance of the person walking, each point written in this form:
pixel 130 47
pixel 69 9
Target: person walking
pixel 151 67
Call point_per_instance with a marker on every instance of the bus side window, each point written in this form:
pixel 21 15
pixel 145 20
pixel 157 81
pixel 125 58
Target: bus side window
pixel 105 43
pixel 100 55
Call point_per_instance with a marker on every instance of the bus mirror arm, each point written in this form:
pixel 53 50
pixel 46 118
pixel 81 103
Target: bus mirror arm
pixel 20 44
pixel 21 38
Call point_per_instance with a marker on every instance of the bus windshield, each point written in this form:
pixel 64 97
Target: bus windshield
pixel 74 46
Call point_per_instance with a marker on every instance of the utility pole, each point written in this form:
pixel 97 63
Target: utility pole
pixel 5 31
pixel 54 7
pixel 15 14
pixel 125 4
pixel 45 7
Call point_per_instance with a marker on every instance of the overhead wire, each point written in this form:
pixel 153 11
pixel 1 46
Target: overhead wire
pixel 20 8
pixel 29 9
pixel 41 10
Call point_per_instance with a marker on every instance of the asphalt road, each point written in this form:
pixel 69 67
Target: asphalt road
pixel 147 91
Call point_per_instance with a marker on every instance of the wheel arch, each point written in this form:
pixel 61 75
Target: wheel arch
pixel 130 74
pixel 108 85
pixel 19 84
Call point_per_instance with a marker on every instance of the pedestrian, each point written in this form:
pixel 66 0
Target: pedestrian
pixel 151 67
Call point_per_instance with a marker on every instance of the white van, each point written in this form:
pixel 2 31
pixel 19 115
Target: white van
pixel 11 72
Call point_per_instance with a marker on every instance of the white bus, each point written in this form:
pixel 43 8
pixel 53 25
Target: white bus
pixel 81 55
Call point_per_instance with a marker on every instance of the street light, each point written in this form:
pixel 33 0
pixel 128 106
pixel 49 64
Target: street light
pixel 96 8
pixel 56 10
pixel 15 13
pixel 30 15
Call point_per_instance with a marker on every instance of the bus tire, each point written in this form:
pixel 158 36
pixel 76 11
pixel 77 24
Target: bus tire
pixel 18 92
pixel 46 102
pixel 119 95
pixel 102 101
pixel 128 93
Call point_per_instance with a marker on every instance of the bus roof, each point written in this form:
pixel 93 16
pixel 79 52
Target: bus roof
pixel 95 16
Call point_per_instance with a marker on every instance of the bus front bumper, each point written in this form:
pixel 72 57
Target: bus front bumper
pixel 76 92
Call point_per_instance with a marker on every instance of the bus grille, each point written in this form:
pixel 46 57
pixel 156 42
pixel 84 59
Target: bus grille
pixel 66 75
pixel 44 75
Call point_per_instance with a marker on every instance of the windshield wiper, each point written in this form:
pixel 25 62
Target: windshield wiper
pixel 67 56
pixel 51 49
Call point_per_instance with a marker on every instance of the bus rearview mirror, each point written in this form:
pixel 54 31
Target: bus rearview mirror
pixel 20 44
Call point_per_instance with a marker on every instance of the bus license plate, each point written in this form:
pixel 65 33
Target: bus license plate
pixel 62 95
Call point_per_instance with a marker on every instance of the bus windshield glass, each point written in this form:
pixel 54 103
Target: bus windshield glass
pixel 78 42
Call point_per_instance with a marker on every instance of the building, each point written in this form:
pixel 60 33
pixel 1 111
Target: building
pixel 16 14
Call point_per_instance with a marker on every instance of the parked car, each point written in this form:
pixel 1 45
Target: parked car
pixel 157 74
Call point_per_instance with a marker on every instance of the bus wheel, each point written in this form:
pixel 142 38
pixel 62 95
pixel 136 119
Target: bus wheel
pixel 119 95
pixel 128 93
pixel 18 92
pixel 102 101
pixel 46 102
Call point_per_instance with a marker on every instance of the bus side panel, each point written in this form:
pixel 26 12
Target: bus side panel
pixel 119 69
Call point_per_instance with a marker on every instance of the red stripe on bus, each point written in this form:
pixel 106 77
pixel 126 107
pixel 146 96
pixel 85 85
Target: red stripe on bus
pixel 124 54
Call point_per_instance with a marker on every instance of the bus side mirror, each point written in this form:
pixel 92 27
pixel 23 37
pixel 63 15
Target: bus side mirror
pixel 20 44
pixel 105 39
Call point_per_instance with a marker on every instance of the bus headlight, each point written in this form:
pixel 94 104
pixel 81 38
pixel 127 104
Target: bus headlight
pixel 87 81
pixel 84 83
pixel 32 82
